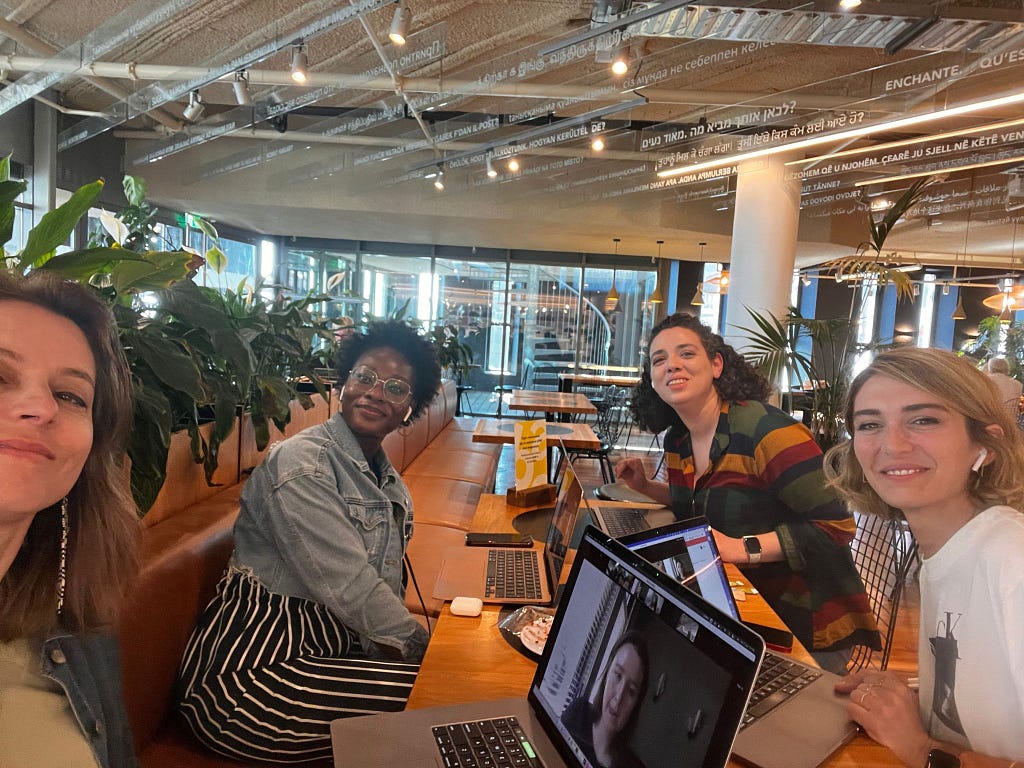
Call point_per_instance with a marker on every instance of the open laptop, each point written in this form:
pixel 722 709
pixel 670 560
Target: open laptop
pixel 701 665
pixel 479 571
pixel 796 723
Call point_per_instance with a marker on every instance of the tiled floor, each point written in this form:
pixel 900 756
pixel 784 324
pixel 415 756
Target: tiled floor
pixel 904 653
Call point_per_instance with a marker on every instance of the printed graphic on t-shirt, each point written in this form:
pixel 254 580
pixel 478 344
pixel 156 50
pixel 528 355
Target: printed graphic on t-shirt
pixel 944 649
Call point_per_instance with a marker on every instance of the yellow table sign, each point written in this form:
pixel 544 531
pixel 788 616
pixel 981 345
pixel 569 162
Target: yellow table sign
pixel 531 454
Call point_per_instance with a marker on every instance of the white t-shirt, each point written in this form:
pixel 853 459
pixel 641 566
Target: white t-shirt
pixel 971 643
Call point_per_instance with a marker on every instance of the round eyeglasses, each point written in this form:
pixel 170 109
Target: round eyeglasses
pixel 363 379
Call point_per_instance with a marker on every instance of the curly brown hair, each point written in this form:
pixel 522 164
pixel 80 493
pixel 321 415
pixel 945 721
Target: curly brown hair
pixel 967 391
pixel 739 379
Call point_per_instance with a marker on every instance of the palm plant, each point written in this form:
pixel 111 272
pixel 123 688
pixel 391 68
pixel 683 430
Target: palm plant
pixel 774 350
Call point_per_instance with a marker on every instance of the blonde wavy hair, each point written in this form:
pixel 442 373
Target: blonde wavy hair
pixel 965 390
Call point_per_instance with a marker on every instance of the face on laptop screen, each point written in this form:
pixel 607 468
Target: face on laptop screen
pixel 635 674
pixel 686 551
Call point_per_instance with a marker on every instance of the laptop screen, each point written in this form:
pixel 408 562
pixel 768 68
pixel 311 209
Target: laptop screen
pixel 638 668
pixel 686 551
pixel 563 520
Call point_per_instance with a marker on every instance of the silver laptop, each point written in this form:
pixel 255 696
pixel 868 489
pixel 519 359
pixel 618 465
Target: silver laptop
pixel 689 666
pixel 795 723
pixel 482 571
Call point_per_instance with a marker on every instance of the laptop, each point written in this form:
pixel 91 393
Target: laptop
pixel 794 720
pixel 479 571
pixel 623 521
pixel 689 695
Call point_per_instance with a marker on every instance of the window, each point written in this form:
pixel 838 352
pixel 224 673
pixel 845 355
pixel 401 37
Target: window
pixel 926 319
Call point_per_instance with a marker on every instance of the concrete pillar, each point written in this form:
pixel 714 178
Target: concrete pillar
pixel 764 233
pixel 44 161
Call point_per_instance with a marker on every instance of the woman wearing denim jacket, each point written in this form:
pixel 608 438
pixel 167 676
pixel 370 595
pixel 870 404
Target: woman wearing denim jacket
pixel 309 624
pixel 68 528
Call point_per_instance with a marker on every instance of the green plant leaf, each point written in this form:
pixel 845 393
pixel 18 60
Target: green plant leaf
pixel 169 363
pixel 56 227
pixel 5 167
pixel 153 271
pixel 134 189
pixel 9 192
pixel 148 444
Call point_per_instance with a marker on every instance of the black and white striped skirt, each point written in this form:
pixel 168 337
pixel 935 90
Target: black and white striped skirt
pixel 264 675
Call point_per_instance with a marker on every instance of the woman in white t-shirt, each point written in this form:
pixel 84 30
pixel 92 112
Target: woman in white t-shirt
pixel 931 442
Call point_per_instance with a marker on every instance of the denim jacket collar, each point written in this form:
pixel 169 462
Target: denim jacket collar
pixel 339 430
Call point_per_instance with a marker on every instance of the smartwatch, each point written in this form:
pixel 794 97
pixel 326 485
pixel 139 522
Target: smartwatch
pixel 753 547
pixel 940 758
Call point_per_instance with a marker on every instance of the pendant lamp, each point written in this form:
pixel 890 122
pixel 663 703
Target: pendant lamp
pixel 958 311
pixel 698 297
pixel 656 297
pixel 611 301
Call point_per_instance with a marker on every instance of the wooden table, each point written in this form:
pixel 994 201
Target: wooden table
pixel 468 659
pixel 567 381
pixel 574 434
pixel 550 403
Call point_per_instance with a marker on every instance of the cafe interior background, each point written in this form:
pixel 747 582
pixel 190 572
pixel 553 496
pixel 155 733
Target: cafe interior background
pixel 548 177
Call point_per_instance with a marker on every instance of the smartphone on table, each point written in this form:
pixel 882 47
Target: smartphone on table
pixel 523 540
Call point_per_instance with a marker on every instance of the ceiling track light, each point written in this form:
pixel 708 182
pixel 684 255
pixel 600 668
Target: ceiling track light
pixel 848 5
pixel 195 107
pixel 300 64
pixel 399 30
pixel 439 178
pixel 513 163
pixel 241 87
pixel 492 173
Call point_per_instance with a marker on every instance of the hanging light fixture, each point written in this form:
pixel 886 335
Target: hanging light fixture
pixel 611 301
pixel 195 107
pixel 491 172
pixel 241 86
pixel 300 64
pixel 439 178
pixel 656 297
pixel 698 297
pixel 399 30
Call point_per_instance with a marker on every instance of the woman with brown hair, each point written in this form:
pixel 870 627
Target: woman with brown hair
pixel 68 527
pixel 755 473
pixel 931 443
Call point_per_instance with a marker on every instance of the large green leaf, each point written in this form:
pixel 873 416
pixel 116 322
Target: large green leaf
pixel 56 226
pixel 216 259
pixel 9 192
pixel 148 445
pixel 5 167
pixel 134 189
pixel 171 365
pixel 82 265
pixel 155 271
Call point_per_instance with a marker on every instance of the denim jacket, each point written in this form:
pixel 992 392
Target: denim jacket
pixel 316 523
pixel 88 668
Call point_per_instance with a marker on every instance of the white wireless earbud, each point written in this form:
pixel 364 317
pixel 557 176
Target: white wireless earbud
pixel 408 414
pixel 341 393
pixel 982 454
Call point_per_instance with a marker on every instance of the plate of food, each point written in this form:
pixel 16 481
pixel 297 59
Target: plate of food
pixel 534 635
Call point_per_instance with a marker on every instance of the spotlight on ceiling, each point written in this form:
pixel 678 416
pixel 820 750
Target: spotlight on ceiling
pixel 513 164
pixel 620 61
pixel 399 30
pixel 491 172
pixel 597 143
pixel 241 86
pixel 300 64
pixel 195 107
pixel 848 5
pixel 439 178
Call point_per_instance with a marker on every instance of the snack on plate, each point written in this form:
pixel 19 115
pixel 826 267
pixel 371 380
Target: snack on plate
pixel 535 634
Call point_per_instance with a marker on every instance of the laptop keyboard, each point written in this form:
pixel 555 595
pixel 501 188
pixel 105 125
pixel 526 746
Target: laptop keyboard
pixel 513 574
pixel 778 680
pixel 485 744
pixel 622 521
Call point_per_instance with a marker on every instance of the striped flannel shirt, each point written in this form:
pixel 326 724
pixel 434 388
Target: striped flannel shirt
pixel 765 475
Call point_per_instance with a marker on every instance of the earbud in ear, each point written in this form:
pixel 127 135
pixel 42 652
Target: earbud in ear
pixel 982 454
pixel 341 392
pixel 407 414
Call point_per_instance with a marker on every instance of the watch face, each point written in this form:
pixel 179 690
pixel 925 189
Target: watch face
pixel 938 758
pixel 752 545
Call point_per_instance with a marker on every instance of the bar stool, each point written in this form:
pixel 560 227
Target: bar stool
pixel 460 409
